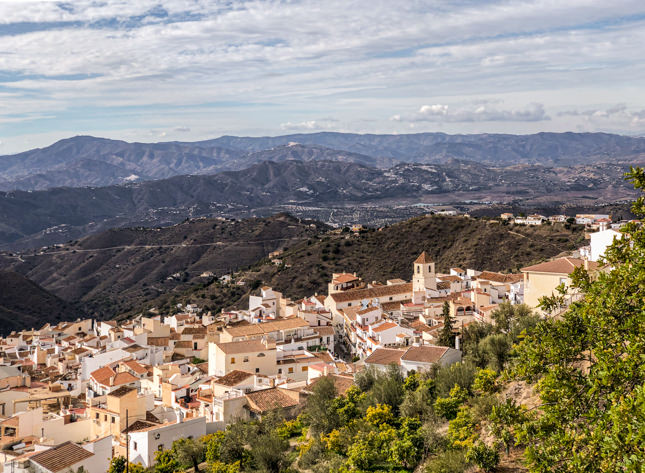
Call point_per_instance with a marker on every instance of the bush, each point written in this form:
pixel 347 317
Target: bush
pixel 485 381
pixel 447 407
pixel 461 430
pixel 483 456
pixel 451 461
pixel 460 374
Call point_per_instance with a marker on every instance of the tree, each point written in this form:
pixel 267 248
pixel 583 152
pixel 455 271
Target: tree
pixel 388 388
pixel 117 465
pixel 165 462
pixel 188 452
pixel 320 411
pixel 589 364
pixel 447 337
pixel 483 456
pixel 495 349
pixel 507 314
pixel 269 452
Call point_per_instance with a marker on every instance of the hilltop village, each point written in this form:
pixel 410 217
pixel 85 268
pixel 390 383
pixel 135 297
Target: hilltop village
pixel 79 393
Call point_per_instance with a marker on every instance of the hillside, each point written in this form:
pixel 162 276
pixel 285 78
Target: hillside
pixel 24 304
pixel 388 254
pixel 114 271
pixel 33 219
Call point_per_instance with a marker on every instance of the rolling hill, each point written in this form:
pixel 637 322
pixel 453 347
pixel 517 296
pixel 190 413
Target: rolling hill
pixel 33 219
pixel 387 254
pixel 25 304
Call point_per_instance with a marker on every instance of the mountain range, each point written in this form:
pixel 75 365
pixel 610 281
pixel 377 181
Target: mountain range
pixel 37 218
pixel 88 161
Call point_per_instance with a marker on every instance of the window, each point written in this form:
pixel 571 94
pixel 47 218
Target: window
pixel 305 368
pixel 105 417
pixel 257 370
pixel 113 419
pixel 246 359
pixel 134 444
pixel 261 355
pixel 391 298
pixel 418 269
pixel 349 304
pixel 232 360
pixel 279 370
pixel 160 447
pixel 97 415
pixel 194 345
pixel 290 370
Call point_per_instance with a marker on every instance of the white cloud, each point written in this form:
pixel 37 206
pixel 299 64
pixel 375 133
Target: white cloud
pixel 614 114
pixel 311 125
pixel 477 113
pixel 263 63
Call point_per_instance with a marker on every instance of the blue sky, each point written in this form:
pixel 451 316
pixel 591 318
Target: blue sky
pixel 190 69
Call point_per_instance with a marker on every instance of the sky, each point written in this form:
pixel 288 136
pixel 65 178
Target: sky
pixel 191 69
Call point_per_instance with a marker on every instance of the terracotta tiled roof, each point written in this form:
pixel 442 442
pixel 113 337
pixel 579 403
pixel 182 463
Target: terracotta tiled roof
pixel 342 383
pixel 269 399
pixel 443 285
pixel 423 259
pixel 385 356
pixel 500 277
pixel 233 378
pixel 384 326
pixel 103 375
pixel 123 378
pixel 136 367
pixel 345 277
pixel 61 457
pixel 265 327
pixel 193 330
pixel 122 391
pixel 424 354
pixel 370 293
pixel 244 346
pixel 559 266
pixel 140 425
pixel 158 341
pixel 451 278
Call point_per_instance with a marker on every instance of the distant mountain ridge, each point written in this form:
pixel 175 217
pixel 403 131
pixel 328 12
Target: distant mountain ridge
pixel 88 161
pixel 31 219
pixel 498 149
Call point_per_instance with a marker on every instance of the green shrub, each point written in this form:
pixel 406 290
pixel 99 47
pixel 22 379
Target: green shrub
pixel 483 456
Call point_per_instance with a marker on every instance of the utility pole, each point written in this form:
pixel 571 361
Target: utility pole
pixel 127 444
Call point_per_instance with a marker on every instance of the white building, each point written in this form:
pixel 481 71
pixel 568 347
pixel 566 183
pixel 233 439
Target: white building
pixel 146 442
pixel 600 241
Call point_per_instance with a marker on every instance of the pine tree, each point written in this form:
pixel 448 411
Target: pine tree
pixel 447 337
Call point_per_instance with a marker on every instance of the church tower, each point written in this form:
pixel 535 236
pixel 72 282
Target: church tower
pixel 424 277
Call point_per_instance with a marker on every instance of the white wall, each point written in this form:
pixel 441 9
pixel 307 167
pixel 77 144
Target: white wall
pixel 56 430
pixel 91 364
pixel 147 443
pixel 600 241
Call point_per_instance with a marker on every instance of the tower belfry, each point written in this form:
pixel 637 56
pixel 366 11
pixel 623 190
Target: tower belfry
pixel 424 276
